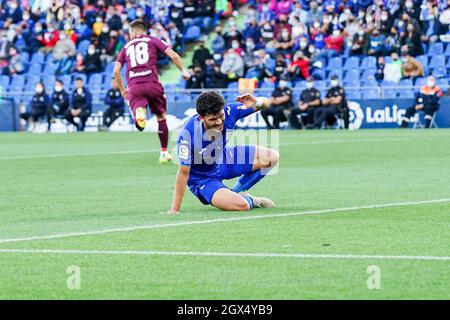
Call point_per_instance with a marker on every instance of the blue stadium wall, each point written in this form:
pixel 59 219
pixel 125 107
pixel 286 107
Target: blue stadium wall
pixel 370 114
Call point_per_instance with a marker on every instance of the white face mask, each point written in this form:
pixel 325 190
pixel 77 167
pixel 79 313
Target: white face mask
pixel 80 90
pixel 316 25
pixel 309 85
pixel 285 34
pixel 58 88
pixel 430 83
pixel 303 44
pixel 62 37
pixel 91 51
pixel 384 18
pixel 105 29
pixel 39 89
pixel 334 83
pixel 250 45
pixel 409 4
pixel 50 29
pixel 336 33
pixel 232 55
pixel 235 45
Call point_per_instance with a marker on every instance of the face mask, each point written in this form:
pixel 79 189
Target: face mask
pixel 175 15
pixel 401 24
pixel 265 9
pixel 285 34
pixel 50 29
pixel 360 33
pixel 283 84
pixel 62 37
pixel 26 17
pixel 232 55
pixel 80 90
pixel 250 45
pixel 303 44
pixel 309 85
pixel 384 18
pixel 91 51
pixel 409 5
pixel 105 29
pixel 235 45
pixel 231 23
pixel 311 50
pixel 58 88
pixel 336 33
pixel 13 6
pixel 139 14
pixel 334 83
pixel 347 11
pixel 369 19
pixel 98 19
pixel 430 83
pixel 39 89
pixel 126 27
pixel 316 25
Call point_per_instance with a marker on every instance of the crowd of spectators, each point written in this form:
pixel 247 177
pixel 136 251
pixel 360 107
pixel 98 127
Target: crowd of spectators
pixel 297 38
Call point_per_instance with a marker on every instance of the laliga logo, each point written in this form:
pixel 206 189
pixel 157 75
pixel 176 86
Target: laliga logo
pixel 356 115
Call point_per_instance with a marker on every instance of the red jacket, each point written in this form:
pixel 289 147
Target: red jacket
pixel 302 64
pixel 335 43
pixel 49 39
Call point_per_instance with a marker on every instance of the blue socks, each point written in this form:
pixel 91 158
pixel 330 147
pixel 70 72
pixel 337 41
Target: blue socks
pixel 249 200
pixel 247 181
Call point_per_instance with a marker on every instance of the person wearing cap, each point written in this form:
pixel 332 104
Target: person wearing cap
pixel 308 103
pixel 427 100
pixel 334 104
pixel 81 105
pixel 281 100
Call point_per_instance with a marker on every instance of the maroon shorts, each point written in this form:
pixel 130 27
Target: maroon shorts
pixel 147 93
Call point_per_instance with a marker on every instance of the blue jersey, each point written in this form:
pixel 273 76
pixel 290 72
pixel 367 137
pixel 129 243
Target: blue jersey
pixel 197 150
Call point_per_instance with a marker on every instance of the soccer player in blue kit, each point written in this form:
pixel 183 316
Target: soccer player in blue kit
pixel 205 160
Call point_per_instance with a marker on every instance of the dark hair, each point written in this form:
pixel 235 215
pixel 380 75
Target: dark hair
pixel 209 103
pixel 59 81
pixel 139 25
pixel 79 79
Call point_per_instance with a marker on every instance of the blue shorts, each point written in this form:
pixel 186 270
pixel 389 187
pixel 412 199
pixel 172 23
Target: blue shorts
pixel 231 169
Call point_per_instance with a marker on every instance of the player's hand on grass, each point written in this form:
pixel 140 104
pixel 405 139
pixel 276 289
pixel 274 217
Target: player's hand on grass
pixel 247 100
pixel 172 212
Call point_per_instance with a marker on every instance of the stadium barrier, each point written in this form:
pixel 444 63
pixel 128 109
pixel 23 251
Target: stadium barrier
pixel 375 112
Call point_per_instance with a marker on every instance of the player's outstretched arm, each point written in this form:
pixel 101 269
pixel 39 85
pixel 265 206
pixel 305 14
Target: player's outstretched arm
pixel 251 102
pixel 180 188
pixel 175 57
pixel 119 80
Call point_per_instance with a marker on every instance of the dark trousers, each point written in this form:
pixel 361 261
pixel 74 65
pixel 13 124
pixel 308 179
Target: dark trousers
pixel 35 114
pixel 111 114
pixel 277 112
pixel 428 110
pixel 84 115
pixel 306 116
pixel 324 113
pixel 345 115
pixel 52 112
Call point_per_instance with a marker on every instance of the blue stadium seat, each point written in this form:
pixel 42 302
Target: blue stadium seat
pixel 405 93
pixel 183 97
pixel 370 83
pixel 368 75
pixel 232 85
pixel 439 72
pixel 389 94
pixel 266 85
pixel 447 50
pixel 193 33
pixel 353 94
pixel 96 80
pixel 18 79
pixel 423 60
pixel 335 64
pixel 67 80
pixel 420 82
pixel 370 93
pixel 405 83
pixel 4 81
pixel 320 84
pixel 442 83
pixel 385 83
pixel 369 62
pixel 79 75
pixel 25 57
pixel 82 46
pixel 300 85
pixel 49 82
pixel 49 69
pixel 335 73
pixel 109 68
pixel 437 61
pixel 351 63
pixel 436 48
pixel 352 76
pixel 38 57
pixel 319 74
pixel 31 82
pixel 35 68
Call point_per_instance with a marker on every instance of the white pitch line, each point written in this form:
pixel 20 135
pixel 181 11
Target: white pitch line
pixel 229 219
pixel 62 155
pixel 227 254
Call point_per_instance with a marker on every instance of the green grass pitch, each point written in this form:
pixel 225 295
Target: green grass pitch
pixel 346 201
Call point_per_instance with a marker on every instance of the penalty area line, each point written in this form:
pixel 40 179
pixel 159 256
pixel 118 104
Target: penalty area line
pixel 218 220
pixel 227 254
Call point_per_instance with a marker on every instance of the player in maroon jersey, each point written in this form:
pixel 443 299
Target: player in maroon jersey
pixel 140 55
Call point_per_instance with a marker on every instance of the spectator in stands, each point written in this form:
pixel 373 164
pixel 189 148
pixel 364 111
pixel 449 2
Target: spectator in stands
pixel 411 40
pixel 281 101
pixel 334 104
pixel 266 14
pixel 281 68
pixel 299 66
pixel 360 43
pixel 38 107
pixel 232 65
pixel 12 12
pixel 281 24
pixel 81 105
pixel 113 45
pixel 379 73
pixel 391 42
pixel 284 43
pixel 218 78
pixel 197 79
pixel 33 37
pixel 79 64
pixel 59 102
pixel 116 105
pixel 250 56
pixel 218 42
pixel 393 69
pixel 176 37
pixel 49 38
pixel 201 54
pixel 5 45
pixel 232 32
pixel 309 101
pixel 267 34
pixel 411 67
pixel 63 54
pixel 16 65
pixel 93 63
pixel 252 31
pixel 334 44
pixel 376 43
pixel 427 100
pixel 266 66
